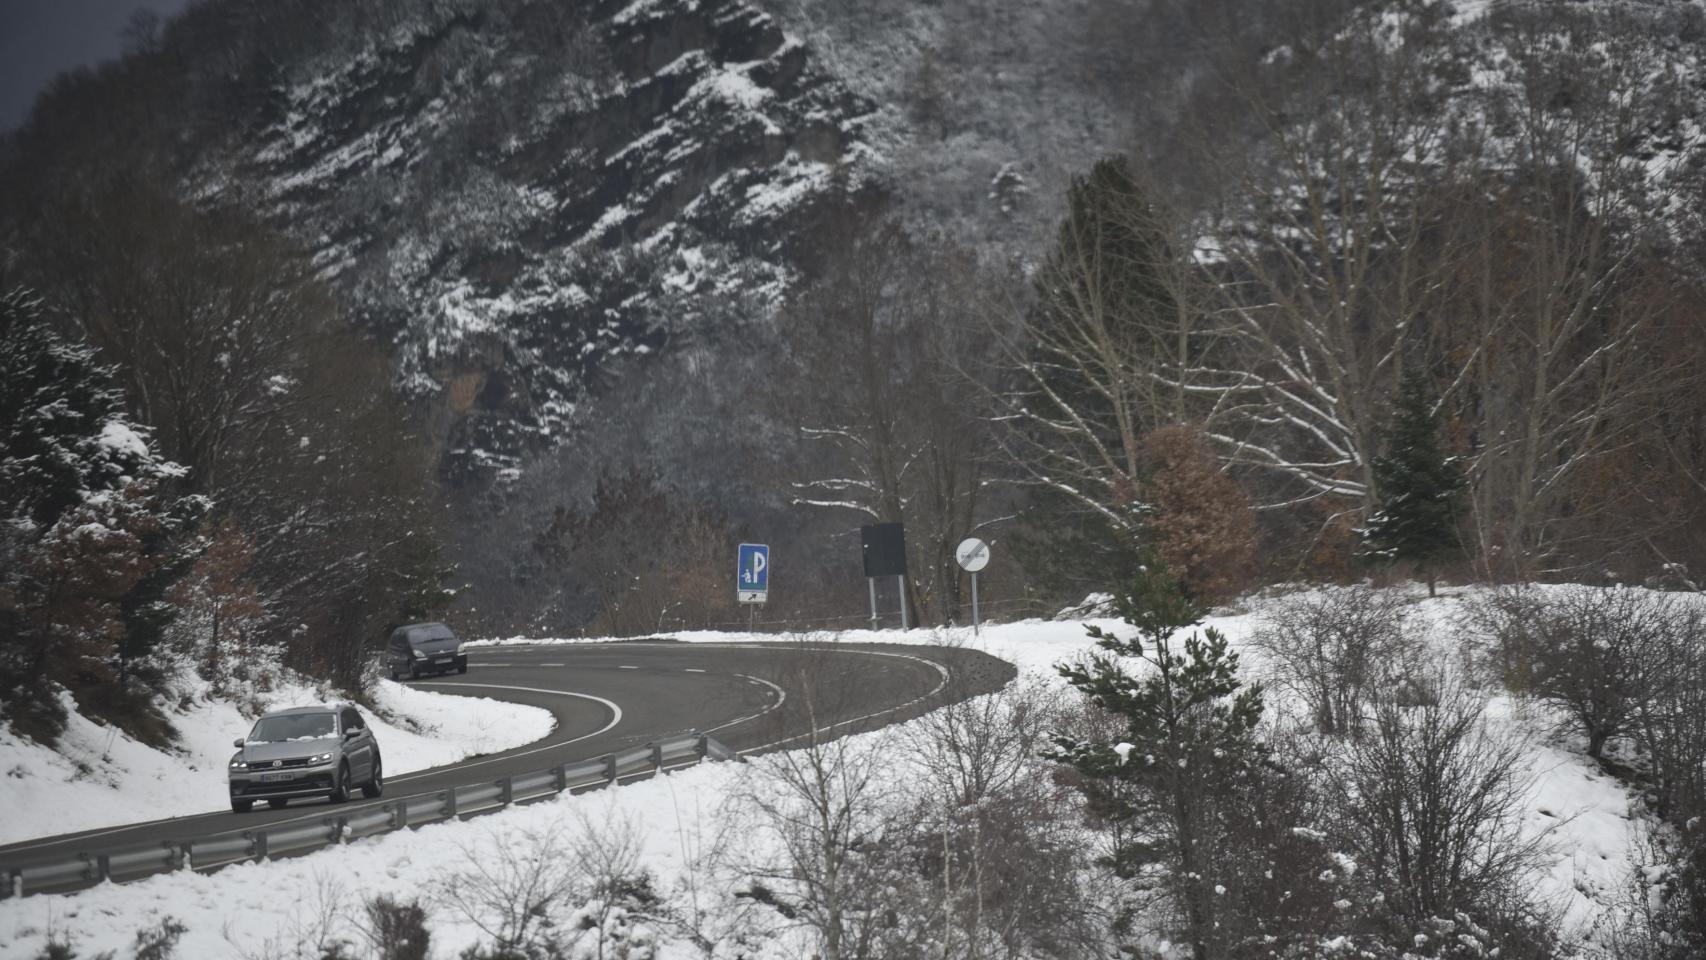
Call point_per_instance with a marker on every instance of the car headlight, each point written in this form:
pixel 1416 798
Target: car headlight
pixel 239 765
pixel 416 653
pixel 320 758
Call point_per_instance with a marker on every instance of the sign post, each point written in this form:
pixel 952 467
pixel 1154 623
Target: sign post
pixel 752 573
pixel 973 555
pixel 884 548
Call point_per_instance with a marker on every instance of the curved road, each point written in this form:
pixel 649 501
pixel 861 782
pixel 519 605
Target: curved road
pixel 610 696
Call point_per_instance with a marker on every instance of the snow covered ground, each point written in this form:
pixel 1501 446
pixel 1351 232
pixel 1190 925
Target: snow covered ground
pixel 1584 815
pixel 101 777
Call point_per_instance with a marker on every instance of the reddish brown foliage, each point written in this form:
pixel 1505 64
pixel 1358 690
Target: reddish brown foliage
pixel 1204 525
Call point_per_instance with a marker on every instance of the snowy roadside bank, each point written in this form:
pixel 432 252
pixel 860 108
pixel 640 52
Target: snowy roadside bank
pixel 101 777
pixel 1591 832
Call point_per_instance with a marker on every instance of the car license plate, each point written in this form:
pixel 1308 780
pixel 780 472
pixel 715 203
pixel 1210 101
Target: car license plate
pixel 276 777
pixel 442 659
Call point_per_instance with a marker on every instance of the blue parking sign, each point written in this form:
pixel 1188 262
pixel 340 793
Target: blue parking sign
pixel 752 574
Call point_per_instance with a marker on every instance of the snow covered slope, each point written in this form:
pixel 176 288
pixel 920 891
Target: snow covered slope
pixel 1586 817
pixel 101 777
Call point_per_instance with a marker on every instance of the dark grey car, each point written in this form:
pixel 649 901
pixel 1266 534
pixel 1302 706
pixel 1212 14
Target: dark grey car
pixel 320 751
pixel 423 648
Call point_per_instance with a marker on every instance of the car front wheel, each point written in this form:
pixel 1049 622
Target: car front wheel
pixel 340 784
pixel 375 786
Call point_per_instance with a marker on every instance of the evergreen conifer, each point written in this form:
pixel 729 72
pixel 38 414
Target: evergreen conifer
pixel 1417 486
pixel 1188 729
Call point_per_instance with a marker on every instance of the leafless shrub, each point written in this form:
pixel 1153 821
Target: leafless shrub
pixel 993 845
pixel 1633 928
pixel 1598 653
pixel 315 929
pixel 823 818
pixel 1669 723
pixel 1432 808
pixel 609 858
pixel 159 942
pixel 395 930
pixel 982 745
pixel 541 893
pixel 1333 648
pixel 517 890
pixel 825 807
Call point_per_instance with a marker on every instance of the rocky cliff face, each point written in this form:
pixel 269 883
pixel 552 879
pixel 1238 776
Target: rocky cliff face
pixel 514 196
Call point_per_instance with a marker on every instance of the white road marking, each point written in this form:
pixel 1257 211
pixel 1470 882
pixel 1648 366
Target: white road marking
pixel 627 667
pixel 616 717
pixel 940 669
pixel 694 670
pixel 781 697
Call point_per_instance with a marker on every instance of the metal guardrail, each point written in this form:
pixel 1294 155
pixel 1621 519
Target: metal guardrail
pixel 135 862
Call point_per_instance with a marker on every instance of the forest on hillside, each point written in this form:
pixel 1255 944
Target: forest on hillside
pixel 1322 290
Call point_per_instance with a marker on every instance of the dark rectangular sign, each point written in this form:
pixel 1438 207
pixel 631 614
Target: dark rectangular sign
pixel 885 549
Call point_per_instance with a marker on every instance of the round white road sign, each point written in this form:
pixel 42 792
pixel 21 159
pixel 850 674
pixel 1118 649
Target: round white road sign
pixel 973 554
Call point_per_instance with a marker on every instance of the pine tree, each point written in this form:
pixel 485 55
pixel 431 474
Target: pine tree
pixel 1189 741
pixel 81 525
pixel 1104 304
pixel 1417 486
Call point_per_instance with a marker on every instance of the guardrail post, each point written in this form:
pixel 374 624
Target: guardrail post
pixel 257 843
pixel 340 830
pixel 103 867
pixel 450 804
pixel 399 814
pixel 610 767
pixel 16 883
pixel 560 776
pixel 176 856
pixel 657 755
pixel 506 791
pixel 702 746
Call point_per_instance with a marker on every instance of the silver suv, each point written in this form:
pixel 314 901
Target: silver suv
pixel 305 752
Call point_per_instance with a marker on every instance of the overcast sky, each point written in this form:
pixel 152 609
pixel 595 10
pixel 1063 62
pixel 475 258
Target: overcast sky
pixel 39 38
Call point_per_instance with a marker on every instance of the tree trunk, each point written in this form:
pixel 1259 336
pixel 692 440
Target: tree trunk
pixel 1596 742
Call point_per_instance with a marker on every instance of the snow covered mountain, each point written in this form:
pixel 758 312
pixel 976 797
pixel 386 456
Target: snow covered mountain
pixel 512 194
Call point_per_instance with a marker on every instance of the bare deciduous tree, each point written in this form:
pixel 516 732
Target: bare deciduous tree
pixel 876 353
pixel 1101 358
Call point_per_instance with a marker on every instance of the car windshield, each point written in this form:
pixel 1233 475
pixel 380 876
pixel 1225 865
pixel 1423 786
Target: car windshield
pixel 434 635
pixel 293 726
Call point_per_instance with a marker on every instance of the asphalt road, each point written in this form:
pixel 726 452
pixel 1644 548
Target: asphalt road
pixel 610 696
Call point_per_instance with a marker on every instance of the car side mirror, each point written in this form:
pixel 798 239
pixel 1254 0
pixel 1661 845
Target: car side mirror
pixel 350 733
pixel 238 743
